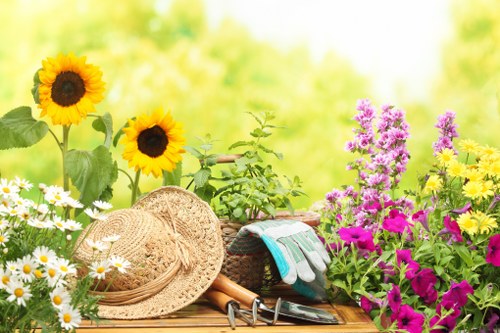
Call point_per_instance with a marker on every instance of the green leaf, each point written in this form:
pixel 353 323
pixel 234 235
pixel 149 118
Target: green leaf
pixel 20 130
pixel 195 152
pixel 205 193
pixel 201 177
pixel 104 124
pixel 34 90
pixel 259 133
pixel 120 132
pixel 173 177
pixel 240 144
pixel 464 255
pixel 91 172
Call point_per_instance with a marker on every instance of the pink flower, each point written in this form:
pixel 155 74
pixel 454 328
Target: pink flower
pixel 493 255
pixel 395 222
pixel 362 238
pixel 423 285
pixel 412 267
pixel 366 304
pixel 452 227
pixel 457 295
pixel 408 319
pixel 448 323
pixel 421 216
pixel 394 298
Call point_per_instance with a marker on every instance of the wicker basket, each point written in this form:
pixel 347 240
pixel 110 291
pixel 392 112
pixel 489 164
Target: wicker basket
pixel 257 270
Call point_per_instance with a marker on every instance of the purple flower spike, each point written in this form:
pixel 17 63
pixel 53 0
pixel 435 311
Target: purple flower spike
pixel 447 131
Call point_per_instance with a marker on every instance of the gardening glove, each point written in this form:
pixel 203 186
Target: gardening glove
pixel 299 255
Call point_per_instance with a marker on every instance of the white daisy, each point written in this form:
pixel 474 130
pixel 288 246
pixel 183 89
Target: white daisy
pixel 4 238
pixel 64 267
pixel 98 246
pixel 43 188
pixel 121 264
pixel 18 292
pixel 59 223
pixel 8 188
pixel 41 209
pixel 23 184
pixel 4 224
pixel 12 267
pixel 53 277
pixel 98 269
pixel 73 225
pixel 56 195
pixel 95 214
pixel 73 203
pixel 5 275
pixel 112 238
pixel 44 255
pixel 37 223
pixel 102 205
pixel 27 266
pixel 69 317
pixel 60 297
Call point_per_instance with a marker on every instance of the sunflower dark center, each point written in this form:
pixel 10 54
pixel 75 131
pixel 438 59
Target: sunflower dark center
pixel 152 141
pixel 67 89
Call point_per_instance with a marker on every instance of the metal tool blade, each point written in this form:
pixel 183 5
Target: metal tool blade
pixel 302 312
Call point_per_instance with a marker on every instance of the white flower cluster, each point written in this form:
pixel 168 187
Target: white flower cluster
pixel 21 219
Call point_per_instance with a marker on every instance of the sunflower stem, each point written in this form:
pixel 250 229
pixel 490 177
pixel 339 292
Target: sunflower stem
pixel 57 140
pixel 135 186
pixel 64 150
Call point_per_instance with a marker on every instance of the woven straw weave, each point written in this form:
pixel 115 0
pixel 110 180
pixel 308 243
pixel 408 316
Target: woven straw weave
pixel 173 240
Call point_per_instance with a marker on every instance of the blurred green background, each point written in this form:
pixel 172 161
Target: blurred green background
pixel 209 76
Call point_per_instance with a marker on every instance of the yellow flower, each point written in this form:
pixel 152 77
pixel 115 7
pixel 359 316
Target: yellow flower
pixel 467 223
pixel 487 151
pixel 434 183
pixel 485 222
pixel 487 189
pixel 446 156
pixel 490 165
pixel 153 143
pixel 68 89
pixel 456 169
pixel 474 174
pixel 468 146
pixel 473 189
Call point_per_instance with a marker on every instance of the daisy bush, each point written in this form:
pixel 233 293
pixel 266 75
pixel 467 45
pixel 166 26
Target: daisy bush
pixel 427 260
pixel 39 285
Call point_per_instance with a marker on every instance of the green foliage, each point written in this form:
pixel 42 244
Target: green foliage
pixel 20 130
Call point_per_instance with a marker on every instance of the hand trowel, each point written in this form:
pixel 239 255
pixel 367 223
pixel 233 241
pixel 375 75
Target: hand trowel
pixel 287 309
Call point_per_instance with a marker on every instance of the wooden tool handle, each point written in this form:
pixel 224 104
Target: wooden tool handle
pixel 242 295
pixel 219 298
pixel 228 158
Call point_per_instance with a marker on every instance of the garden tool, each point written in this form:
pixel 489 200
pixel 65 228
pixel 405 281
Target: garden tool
pixel 283 308
pixel 300 256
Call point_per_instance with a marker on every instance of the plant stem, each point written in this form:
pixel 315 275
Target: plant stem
pixel 64 149
pixel 135 187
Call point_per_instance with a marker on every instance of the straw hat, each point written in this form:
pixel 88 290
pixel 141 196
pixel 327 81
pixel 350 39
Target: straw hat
pixel 173 241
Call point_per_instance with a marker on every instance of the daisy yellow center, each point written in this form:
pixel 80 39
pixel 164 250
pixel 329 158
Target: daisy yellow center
pixel 26 269
pixel 5 279
pixel 57 300
pixel 44 259
pixel 2 238
pixel 19 292
pixel 63 268
pixel 59 224
pixel 52 272
pixel 6 190
pixel 68 89
pixel 67 318
pixel 57 196
pixel 118 264
pixel 38 273
pixel 100 270
pixel 152 141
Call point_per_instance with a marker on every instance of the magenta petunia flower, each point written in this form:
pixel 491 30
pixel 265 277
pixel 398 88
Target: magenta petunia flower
pixel 423 282
pixel 394 298
pixel 412 267
pixel 395 222
pixel 451 226
pixel 409 320
pixel 493 255
pixel 463 209
pixel 448 323
pixel 361 237
pixel 422 217
pixel 366 304
pixel 457 295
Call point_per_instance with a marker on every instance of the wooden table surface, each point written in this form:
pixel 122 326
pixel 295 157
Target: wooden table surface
pixel 203 317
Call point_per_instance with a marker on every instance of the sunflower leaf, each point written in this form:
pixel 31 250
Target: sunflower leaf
pixel 91 172
pixel 104 124
pixel 121 132
pixel 20 130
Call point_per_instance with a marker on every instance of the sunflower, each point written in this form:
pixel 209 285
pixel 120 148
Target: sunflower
pixel 153 143
pixel 68 89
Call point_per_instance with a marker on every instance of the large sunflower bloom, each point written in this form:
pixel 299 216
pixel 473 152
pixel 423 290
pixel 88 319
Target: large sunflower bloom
pixel 153 143
pixel 69 88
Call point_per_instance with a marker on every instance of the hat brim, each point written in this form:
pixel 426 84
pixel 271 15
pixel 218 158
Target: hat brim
pixel 201 228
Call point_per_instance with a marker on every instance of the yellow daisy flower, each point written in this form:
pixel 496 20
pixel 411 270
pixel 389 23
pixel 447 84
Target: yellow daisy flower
pixel 490 165
pixel 487 151
pixel 485 222
pixel 473 189
pixel 487 189
pixel 68 89
pixel 467 223
pixel 456 169
pixel 434 183
pixel 153 143
pixel 446 156
pixel 474 174
pixel 468 146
